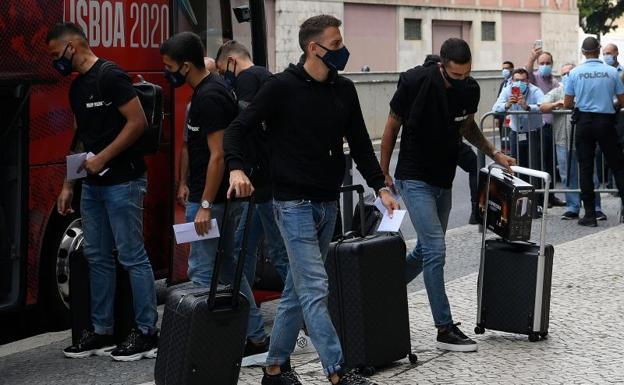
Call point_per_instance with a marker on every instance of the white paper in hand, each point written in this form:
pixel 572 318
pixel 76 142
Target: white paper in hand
pixel 391 224
pixel 91 155
pixel 74 166
pixel 185 232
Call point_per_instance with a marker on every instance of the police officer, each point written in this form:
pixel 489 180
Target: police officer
pixel 594 85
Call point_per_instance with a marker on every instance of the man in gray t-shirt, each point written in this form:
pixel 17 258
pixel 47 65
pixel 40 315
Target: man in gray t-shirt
pixel 553 100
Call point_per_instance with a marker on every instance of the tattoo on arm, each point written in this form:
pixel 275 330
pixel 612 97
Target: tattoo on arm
pixel 473 134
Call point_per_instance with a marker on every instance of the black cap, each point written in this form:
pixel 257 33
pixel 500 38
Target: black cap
pixel 590 44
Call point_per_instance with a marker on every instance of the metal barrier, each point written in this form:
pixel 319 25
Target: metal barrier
pixel 527 155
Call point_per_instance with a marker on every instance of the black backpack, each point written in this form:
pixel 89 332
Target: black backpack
pixel 150 96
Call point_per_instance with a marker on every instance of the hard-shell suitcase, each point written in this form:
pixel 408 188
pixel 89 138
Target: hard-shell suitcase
pixel 515 279
pixel 80 294
pixel 368 297
pixel 203 332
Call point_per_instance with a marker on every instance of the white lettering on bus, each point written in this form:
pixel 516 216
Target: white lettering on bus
pixel 104 23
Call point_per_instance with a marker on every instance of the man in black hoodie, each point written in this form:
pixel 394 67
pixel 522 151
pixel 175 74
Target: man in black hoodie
pixel 308 110
pixel 435 103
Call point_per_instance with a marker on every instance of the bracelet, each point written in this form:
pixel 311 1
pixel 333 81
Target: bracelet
pixel 386 189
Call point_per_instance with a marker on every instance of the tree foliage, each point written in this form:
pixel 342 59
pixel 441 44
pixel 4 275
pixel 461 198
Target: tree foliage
pixel 597 17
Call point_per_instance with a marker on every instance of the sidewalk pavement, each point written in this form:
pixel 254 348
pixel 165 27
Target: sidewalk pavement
pixel 584 345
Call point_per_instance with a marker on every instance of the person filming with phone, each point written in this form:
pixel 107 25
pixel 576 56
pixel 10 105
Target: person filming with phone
pixel 520 95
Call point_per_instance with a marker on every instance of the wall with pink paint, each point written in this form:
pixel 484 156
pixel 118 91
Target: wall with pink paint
pixel 520 30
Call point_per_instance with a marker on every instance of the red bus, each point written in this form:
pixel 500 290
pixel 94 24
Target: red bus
pixel 36 121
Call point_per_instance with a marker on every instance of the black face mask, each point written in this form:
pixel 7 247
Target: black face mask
pixel 335 59
pixel 176 79
pixel 458 84
pixel 230 76
pixel 64 65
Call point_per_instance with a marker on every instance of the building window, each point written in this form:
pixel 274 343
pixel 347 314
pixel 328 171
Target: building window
pixel 413 30
pixel 488 31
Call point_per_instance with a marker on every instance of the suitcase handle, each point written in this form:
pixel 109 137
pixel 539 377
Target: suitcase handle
pixel 221 252
pixel 360 191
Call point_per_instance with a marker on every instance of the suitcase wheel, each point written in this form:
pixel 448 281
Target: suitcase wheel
pixel 534 337
pixel 367 371
pixel 413 358
pixel 544 335
pixel 479 330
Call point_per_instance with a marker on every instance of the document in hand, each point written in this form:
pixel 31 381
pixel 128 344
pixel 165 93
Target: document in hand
pixel 185 232
pixel 74 166
pixel 391 224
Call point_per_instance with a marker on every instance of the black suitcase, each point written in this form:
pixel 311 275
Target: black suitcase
pixel 203 332
pixel 515 280
pixel 80 296
pixel 368 297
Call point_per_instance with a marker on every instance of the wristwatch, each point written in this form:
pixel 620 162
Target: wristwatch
pixel 205 204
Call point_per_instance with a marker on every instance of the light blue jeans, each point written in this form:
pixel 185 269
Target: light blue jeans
pixel 573 200
pixel 429 208
pixel 262 222
pixel 112 216
pixel 307 228
pixel 202 258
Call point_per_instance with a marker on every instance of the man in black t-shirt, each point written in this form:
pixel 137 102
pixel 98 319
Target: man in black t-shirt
pixel 212 108
pixel 109 119
pixel 235 65
pixel 435 103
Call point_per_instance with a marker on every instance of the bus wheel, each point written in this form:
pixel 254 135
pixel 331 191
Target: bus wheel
pixel 57 298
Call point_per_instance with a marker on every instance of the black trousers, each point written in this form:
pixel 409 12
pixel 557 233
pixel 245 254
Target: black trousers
pixel 600 128
pixel 467 160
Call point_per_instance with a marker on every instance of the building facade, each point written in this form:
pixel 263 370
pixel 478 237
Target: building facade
pixel 394 35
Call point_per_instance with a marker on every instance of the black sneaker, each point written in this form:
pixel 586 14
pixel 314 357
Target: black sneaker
pixel 352 377
pixel 600 216
pixel 91 344
pixel 556 202
pixel 569 215
pixel 454 340
pixel 286 377
pixel 588 220
pixel 253 348
pixel 136 346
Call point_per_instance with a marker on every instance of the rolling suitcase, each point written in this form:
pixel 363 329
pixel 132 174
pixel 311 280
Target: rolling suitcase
pixel 368 297
pixel 80 296
pixel 204 331
pixel 515 278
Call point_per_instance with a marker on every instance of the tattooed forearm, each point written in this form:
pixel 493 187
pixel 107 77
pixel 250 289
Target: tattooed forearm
pixel 473 134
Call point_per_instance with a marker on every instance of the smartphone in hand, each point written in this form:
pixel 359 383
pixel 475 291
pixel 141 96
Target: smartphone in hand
pixel 538 44
pixel 515 90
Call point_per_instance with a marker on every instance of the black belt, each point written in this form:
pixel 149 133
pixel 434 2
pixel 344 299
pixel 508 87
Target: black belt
pixel 596 114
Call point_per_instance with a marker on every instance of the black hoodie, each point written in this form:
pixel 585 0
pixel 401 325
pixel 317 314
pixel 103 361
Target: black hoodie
pixel 307 121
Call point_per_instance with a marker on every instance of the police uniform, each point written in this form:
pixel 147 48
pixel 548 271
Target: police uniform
pixel 594 86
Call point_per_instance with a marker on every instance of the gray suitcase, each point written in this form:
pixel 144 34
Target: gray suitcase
pixel 515 278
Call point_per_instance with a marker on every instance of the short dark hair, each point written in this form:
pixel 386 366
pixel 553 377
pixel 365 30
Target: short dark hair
pixel 60 30
pixel 549 54
pixel 314 27
pixel 520 70
pixel 510 63
pixel 455 50
pixel 184 46
pixel 232 47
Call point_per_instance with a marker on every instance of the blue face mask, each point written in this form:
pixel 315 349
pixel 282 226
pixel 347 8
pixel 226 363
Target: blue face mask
pixel 230 76
pixel 176 79
pixel 63 65
pixel 522 85
pixel 545 70
pixel 335 59
pixel 609 60
pixel 506 73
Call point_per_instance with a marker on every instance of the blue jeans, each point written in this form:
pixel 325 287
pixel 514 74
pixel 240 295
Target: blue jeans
pixel 112 216
pixel 262 222
pixel 202 258
pixel 573 200
pixel 429 208
pixel 307 228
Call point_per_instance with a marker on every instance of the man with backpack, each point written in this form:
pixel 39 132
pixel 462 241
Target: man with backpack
pixel 109 120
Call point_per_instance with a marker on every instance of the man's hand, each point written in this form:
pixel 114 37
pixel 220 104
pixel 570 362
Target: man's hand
pixel 95 164
pixel 522 102
pixel 64 200
pixel 183 194
pixel 558 105
pixel 505 161
pixel 389 202
pixel 512 100
pixel 240 184
pixel 390 183
pixel 534 54
pixel 202 221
